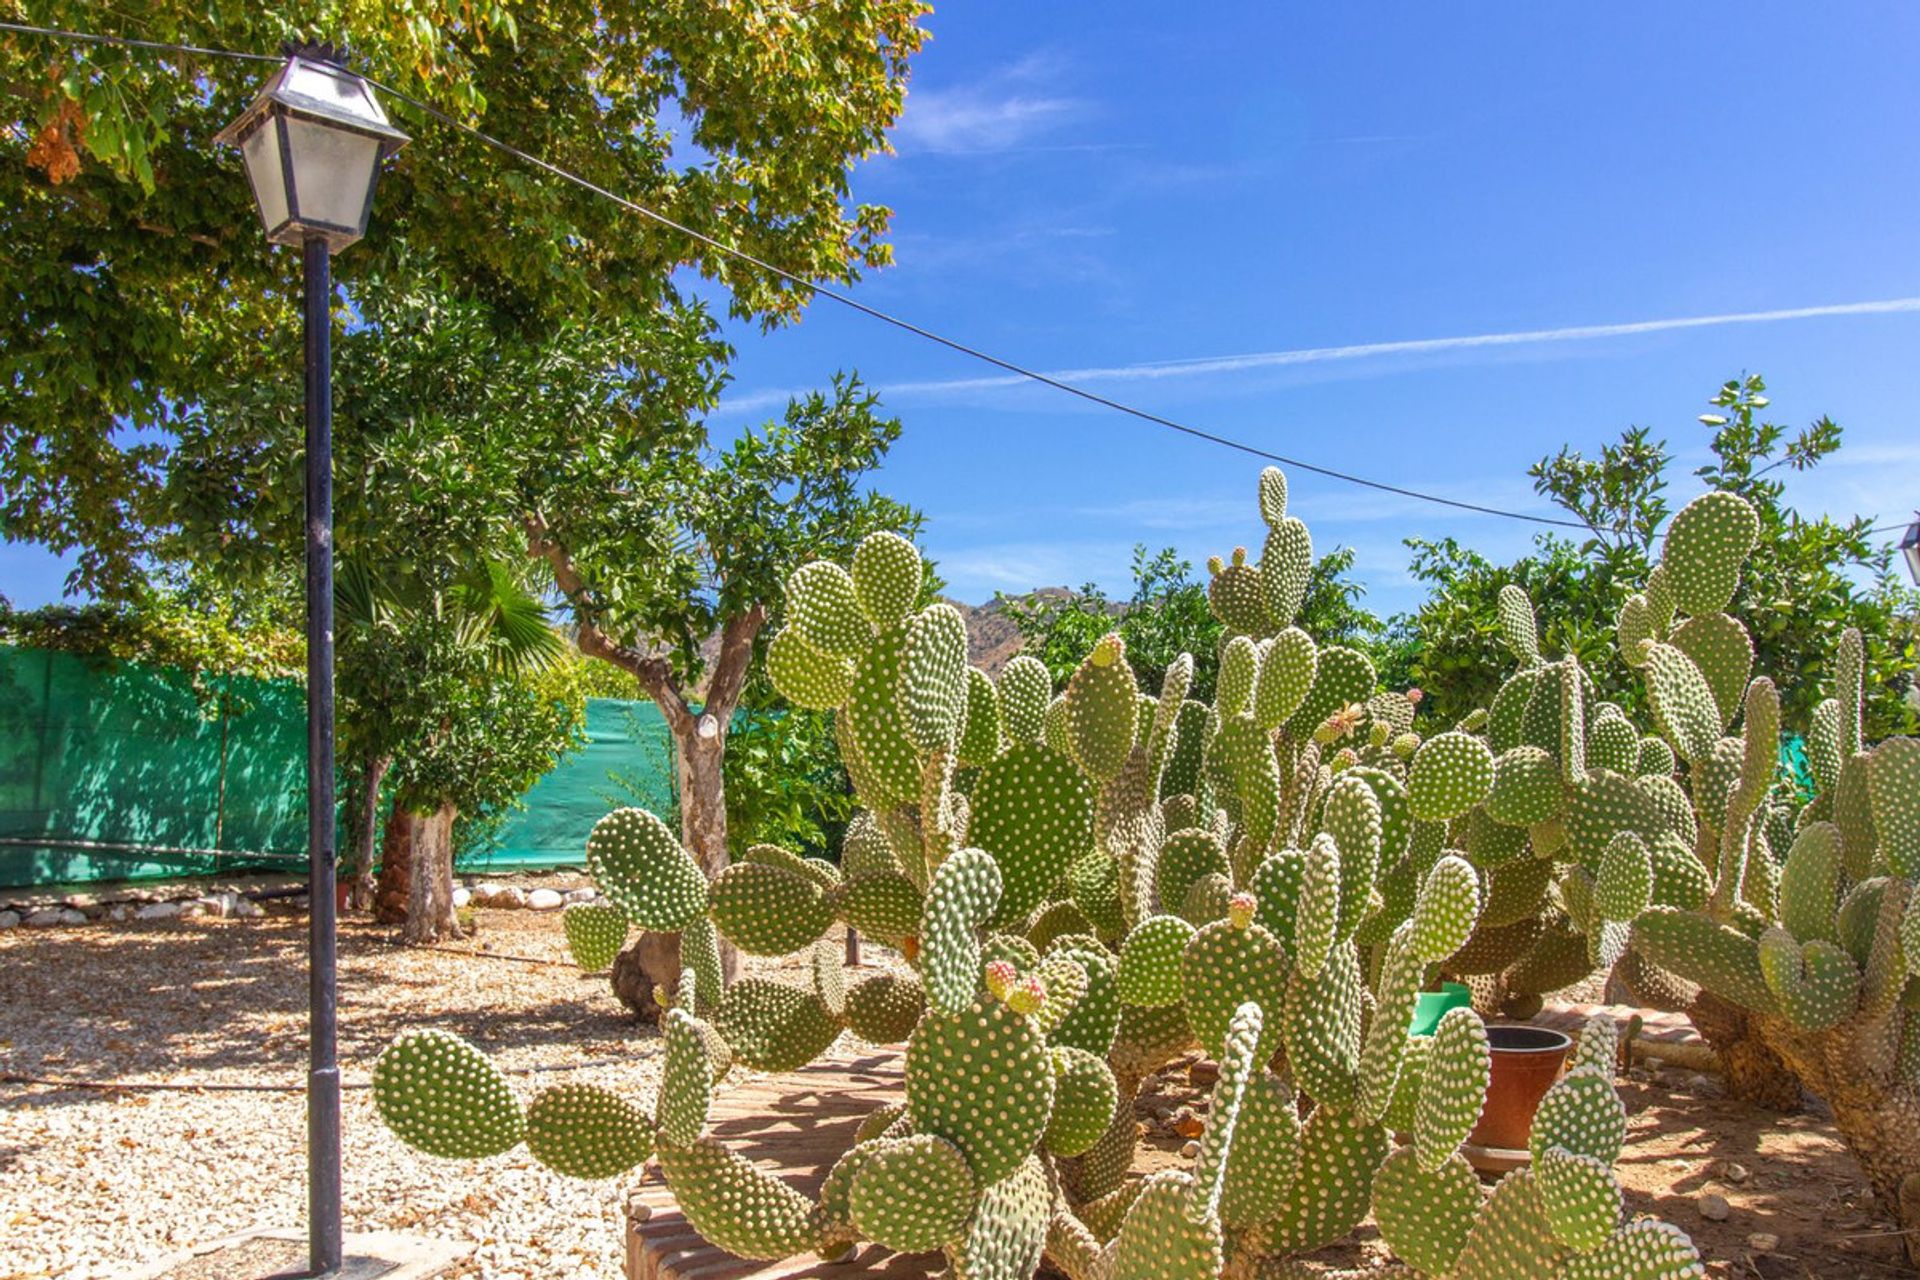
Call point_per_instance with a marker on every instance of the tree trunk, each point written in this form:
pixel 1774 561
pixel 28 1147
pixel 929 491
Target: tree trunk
pixel 366 826
pixel 416 875
pixel 394 890
pixel 1754 1072
pixel 654 959
pixel 1853 1069
pixel 430 914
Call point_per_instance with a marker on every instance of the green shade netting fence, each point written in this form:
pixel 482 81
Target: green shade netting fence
pixel 118 771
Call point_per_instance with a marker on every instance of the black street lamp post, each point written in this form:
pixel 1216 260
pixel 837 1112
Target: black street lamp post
pixel 313 141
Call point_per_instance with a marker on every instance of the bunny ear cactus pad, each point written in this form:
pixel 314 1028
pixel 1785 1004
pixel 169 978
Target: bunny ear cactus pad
pixel 1008 1231
pixel 1451 773
pixel 686 1081
pixel 883 905
pixel 1239 667
pixel 1225 966
pixel 1893 785
pixel 1700 949
pixel 1682 702
pixel 933 679
pixel 1511 1238
pixel 1159 1239
pixel 1266 1153
pixel 1722 650
pixel 965 891
pixel 822 607
pixel 1321 1028
pixel 1102 715
pixel 1149 969
pixel 1033 811
pixel 1273 496
pixel 913 1194
pixel 1580 1197
pixel 1286 567
pixel 1580 1113
pixel 595 933
pixel 1816 985
pixel 1624 887
pixel 1526 787
pixel 1446 910
pixel 805 676
pixel 1453 1088
pixel 1236 595
pixel 1184 858
pixel 1352 816
pixel 441 1095
pixel 1339 1155
pixel 1385 1048
pixel 880 734
pixel 1425 1215
pixel 1341 676
pixel 588 1132
pixel 644 870
pixel 1094 1018
pixel 885 1008
pixel 1707 543
pixel 1645 1249
pixel 1287 671
pixel 774 1027
pixel 1517 626
pixel 1084 1097
pixel 766 910
pixel 886 578
pixel 1237 1068
pixel 1025 691
pixel 982 1080
pixel 737 1206
pixel 980 726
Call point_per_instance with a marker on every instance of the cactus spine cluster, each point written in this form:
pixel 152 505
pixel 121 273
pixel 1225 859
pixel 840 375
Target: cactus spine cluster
pixel 1087 883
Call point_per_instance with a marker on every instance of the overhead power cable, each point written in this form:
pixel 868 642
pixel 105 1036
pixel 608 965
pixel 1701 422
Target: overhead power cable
pixel 831 294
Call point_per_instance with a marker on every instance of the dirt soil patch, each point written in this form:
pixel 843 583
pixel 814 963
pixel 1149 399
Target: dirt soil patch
pixel 94 1182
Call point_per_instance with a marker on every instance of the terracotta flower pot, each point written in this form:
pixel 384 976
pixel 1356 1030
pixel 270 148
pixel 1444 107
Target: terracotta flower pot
pixel 1526 1062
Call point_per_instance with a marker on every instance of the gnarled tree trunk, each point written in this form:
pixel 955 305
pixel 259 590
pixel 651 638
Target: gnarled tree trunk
pixel 700 748
pixel 394 891
pixel 416 875
pixel 430 914
pixel 1856 1069
pixel 1754 1072
pixel 366 825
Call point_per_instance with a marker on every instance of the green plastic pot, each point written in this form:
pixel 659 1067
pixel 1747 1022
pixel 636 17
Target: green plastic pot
pixel 1431 1006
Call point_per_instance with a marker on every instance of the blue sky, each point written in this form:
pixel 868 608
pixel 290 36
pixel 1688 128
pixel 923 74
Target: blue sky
pixel 1121 188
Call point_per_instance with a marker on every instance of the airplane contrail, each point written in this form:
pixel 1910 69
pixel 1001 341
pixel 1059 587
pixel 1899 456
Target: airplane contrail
pixel 1199 365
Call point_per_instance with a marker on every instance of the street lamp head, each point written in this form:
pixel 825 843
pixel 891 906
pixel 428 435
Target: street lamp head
pixel 313 141
pixel 1910 549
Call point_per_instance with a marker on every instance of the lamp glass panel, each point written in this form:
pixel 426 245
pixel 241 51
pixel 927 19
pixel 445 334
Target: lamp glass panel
pixel 261 151
pixel 332 170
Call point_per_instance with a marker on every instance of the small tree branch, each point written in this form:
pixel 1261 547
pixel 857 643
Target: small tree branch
pixel 654 672
pixel 736 656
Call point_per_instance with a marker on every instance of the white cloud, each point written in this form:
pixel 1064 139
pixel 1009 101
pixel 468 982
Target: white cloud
pixel 1216 366
pixel 1004 111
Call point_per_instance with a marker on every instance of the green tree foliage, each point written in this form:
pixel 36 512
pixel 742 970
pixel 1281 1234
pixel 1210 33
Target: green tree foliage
pixel 138 284
pixel 1820 577
pixel 1167 615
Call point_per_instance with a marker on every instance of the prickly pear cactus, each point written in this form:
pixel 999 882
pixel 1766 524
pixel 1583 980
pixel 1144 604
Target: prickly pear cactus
pixel 1083 883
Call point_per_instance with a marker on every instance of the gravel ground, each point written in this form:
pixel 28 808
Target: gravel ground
pixel 92 1183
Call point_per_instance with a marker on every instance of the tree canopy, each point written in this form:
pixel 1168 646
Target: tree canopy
pixel 139 283
pixel 1823 575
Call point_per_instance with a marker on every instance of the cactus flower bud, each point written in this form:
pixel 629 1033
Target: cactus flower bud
pixel 1240 909
pixel 1001 975
pixel 1027 995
